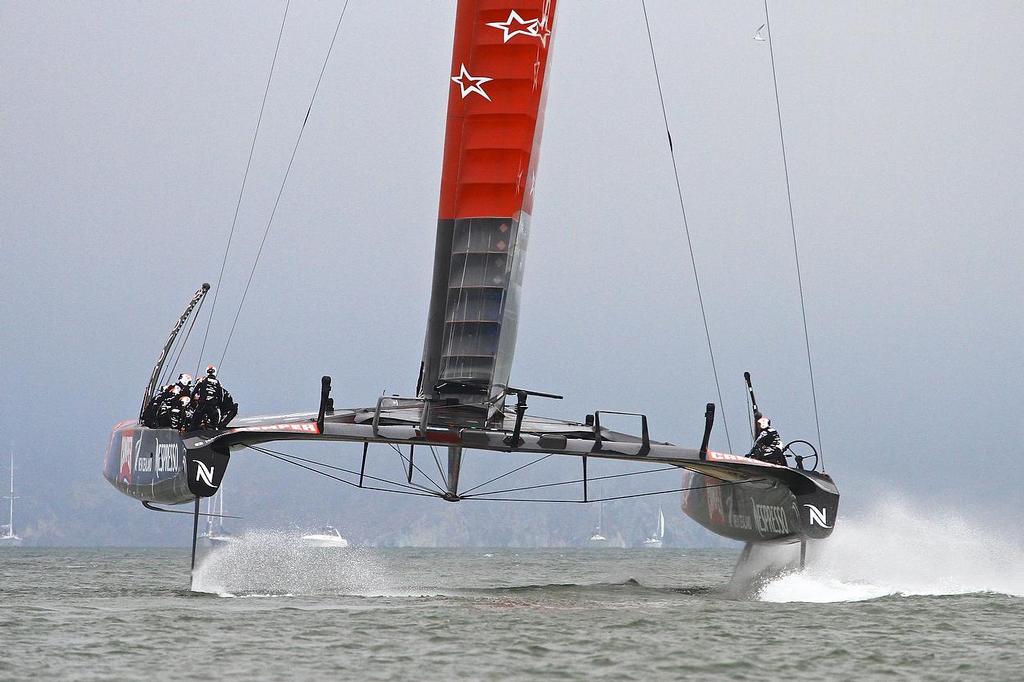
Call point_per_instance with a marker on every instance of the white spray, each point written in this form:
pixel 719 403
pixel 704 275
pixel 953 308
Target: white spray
pixel 899 550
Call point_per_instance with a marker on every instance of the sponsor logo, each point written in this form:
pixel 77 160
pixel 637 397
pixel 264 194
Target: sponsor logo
pixel 716 511
pixel 818 516
pixel 741 521
pixel 143 463
pixel 125 474
pixel 304 427
pixel 470 84
pixel 515 25
pixel 204 474
pixel 167 457
pixel 740 459
pixel 770 519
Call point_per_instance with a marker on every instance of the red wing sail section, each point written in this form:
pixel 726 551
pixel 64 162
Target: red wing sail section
pixel 495 106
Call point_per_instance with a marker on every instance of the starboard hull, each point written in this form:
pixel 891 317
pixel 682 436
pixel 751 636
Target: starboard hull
pixel 766 510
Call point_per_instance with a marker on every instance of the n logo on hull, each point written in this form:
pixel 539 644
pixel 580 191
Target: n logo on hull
pixel 204 473
pixel 818 516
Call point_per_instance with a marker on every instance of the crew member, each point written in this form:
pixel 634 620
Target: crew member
pixel 208 396
pixel 178 412
pixel 767 443
pixel 169 403
pixel 185 382
pixel 152 411
pixel 228 410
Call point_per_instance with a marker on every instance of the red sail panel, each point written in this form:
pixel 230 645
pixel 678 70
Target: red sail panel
pixel 499 63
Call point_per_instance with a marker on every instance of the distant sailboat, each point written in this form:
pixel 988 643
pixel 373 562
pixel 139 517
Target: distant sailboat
pixel 597 539
pixel 9 538
pixel 328 536
pixel 659 534
pixel 215 535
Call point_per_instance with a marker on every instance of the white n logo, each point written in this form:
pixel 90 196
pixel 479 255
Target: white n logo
pixel 204 473
pixel 818 516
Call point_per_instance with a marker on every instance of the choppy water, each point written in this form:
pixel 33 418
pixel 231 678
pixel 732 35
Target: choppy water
pixel 266 609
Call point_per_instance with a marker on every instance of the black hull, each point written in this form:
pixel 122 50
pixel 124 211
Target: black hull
pixel 801 505
pixel 153 465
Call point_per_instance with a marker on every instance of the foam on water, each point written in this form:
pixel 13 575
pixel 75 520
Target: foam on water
pixel 899 550
pixel 275 563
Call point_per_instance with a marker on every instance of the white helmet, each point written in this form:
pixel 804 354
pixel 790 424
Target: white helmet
pixel 763 423
pixel 185 379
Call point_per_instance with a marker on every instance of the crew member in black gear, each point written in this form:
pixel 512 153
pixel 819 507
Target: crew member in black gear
pixel 228 410
pixel 167 410
pixel 767 443
pixel 210 404
pixel 185 383
pixel 178 412
pixel 150 417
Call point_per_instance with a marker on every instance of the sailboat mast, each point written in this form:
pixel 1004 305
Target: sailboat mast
pixel 220 510
pixel 10 518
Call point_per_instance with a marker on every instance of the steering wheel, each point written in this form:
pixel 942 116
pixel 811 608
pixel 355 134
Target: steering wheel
pixel 800 458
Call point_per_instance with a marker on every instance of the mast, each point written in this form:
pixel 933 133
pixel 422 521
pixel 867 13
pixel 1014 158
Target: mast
pixel 500 58
pixel 10 523
pixel 661 524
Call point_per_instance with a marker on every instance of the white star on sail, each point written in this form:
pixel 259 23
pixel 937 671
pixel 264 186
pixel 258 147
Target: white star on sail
pixel 523 27
pixel 474 83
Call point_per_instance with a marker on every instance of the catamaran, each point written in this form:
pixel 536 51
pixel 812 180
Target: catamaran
pixel 464 398
pixel 8 538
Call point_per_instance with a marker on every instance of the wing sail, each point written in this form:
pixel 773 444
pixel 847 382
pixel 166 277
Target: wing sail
pixel 495 106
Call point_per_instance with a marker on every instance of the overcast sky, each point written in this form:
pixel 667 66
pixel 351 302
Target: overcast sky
pixel 124 134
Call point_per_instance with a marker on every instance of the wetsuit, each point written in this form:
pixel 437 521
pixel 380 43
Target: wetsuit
pixel 151 415
pixel 229 408
pixel 768 447
pixel 208 397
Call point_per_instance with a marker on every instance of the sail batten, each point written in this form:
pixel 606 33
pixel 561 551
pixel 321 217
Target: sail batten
pixel 500 57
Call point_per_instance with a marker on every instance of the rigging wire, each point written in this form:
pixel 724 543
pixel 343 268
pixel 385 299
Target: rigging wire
pixel 284 181
pixel 422 492
pixel 342 480
pixel 686 227
pixel 408 460
pixel 792 227
pixel 507 473
pixel 616 497
pixel 444 478
pixel 241 191
pixel 268 451
pixel 578 480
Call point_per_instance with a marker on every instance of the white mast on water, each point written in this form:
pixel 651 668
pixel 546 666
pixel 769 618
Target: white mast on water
pixel 9 538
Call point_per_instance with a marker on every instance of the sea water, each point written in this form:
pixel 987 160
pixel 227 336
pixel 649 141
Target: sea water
pixel 871 603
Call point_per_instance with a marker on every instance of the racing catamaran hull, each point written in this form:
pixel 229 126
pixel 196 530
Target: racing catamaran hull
pixel 768 510
pixel 154 465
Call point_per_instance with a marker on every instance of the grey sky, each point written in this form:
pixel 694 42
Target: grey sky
pixel 124 131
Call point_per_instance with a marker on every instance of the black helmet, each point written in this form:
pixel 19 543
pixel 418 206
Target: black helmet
pixel 211 371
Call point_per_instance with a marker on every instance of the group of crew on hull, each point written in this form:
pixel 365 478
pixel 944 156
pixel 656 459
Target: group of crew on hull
pixel 182 406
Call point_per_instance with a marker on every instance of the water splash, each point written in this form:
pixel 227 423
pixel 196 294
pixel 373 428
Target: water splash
pixel 275 563
pixel 899 550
